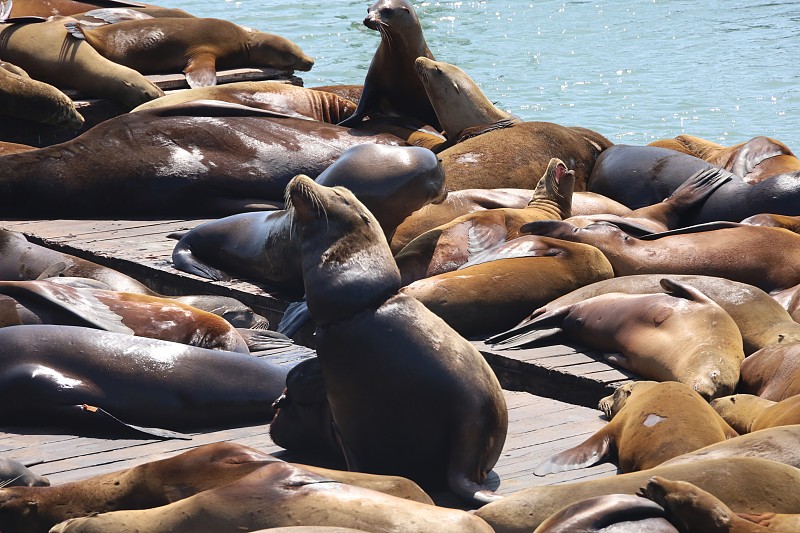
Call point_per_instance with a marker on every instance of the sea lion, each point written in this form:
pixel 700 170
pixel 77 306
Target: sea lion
pixel 769 265
pixel 350 92
pixel 746 412
pixel 28 99
pixel 391 181
pixel 745 484
pixel 392 87
pixel 694 510
pixel 14 148
pixel 502 152
pixel 650 423
pixel 773 373
pixel 54 370
pixel 157 483
pixel 485 298
pixel 681 336
pixel 620 513
pixel 48 54
pixel 195 46
pixel 638 176
pixel 466 201
pixel 281 494
pixel 220 159
pixel 45 302
pixel 24 260
pixel 372 343
pixel 774 221
pixel 761 321
pixel 49 8
pixel 15 474
pixel 450 245
pixel 753 160
pixel 279 97
pixel 781 444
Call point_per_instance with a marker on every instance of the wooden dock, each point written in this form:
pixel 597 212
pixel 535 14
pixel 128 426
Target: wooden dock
pixel 552 391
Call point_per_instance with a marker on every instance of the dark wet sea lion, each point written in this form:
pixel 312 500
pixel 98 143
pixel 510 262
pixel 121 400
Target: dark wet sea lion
pixel 488 297
pixel 279 97
pixel 746 412
pixel 448 422
pixel 663 337
pixel 781 444
pixel 754 160
pixel 769 265
pixel 450 245
pixel 761 322
pixel 773 372
pixel 196 46
pixel 220 159
pixel 15 474
pixel 45 302
pixel 392 181
pixel 281 494
pixel 617 513
pixel 639 176
pixel 47 52
pixel 54 370
pixel 157 483
pixel 745 484
pixel 650 423
pixel 392 87
pixel 29 99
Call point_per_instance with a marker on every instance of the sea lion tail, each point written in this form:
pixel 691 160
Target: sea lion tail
pixel 74 28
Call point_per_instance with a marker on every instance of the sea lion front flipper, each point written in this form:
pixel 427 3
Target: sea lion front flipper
pixel 53 271
pixel 295 316
pixel 112 15
pixel 260 340
pixel 182 259
pixel 201 70
pixel 589 452
pixel 515 248
pixel 698 187
pixel 618 359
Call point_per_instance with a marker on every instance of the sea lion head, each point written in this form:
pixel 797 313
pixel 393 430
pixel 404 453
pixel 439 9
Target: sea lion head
pixel 266 49
pixel 555 187
pixel 457 100
pixel 347 264
pixel 384 14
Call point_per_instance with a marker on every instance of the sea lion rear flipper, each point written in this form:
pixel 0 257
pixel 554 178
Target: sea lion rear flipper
pixel 515 248
pixel 75 29
pixel 698 186
pixel 201 71
pixel 589 452
pixel 116 14
pixel 683 290
pixel 295 316
pixel 259 340
pixel 754 152
pixel 531 330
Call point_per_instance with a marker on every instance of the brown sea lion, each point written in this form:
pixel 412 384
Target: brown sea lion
pixel 54 370
pixel 450 245
pixel 789 300
pixel 279 97
pixel 196 46
pixel 48 54
pixel 781 444
pixel 448 422
pixel 392 87
pixel 25 98
pixel 350 92
pixel 281 494
pixel 769 265
pixel 617 513
pixel 157 483
pixel 14 148
pixel 220 159
pixel 695 510
pixel 485 298
pixel 495 150
pixel 638 176
pixel 650 423
pixel 746 412
pixel 754 160
pixel 466 201
pixel 773 373
pixel 391 181
pixel 45 302
pixel 663 337
pixel 666 215
pixel 792 223
pixel 761 321
pixel 49 8
pixel 745 484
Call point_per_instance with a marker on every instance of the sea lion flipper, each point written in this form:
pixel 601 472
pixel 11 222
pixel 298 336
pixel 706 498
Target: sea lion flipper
pixel 259 340
pixel 754 152
pixel 112 15
pixel 182 259
pixel 683 290
pixel 515 248
pixel 54 270
pixel 295 316
pixel 5 9
pixel 589 452
pixel 697 228
pixel 201 70
pixel 529 331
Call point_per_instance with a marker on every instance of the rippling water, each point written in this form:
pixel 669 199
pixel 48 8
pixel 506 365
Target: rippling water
pixel 634 71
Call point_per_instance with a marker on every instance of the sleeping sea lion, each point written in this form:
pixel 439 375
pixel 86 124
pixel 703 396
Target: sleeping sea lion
pixel 746 412
pixel 773 373
pixel 29 99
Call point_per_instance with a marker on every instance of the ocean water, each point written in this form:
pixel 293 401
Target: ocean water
pixel 633 70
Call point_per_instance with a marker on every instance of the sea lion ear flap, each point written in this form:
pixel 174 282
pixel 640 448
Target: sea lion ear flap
pixel 681 290
pixel 588 453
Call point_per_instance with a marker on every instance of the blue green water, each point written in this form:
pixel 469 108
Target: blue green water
pixel 634 71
